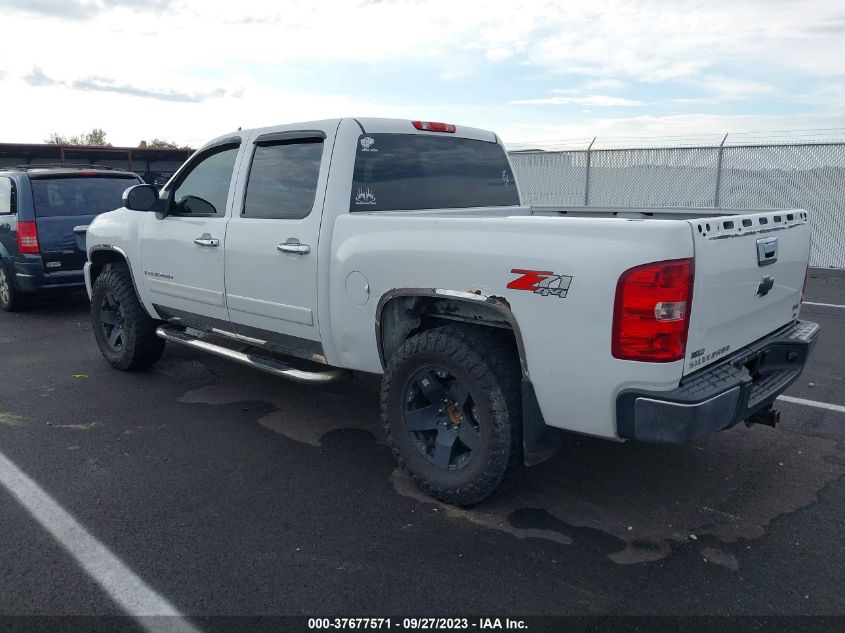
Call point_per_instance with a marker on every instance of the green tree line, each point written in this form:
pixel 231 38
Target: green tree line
pixel 97 138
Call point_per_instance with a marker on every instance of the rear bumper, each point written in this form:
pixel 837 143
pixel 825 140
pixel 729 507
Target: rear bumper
pixel 30 277
pixel 719 397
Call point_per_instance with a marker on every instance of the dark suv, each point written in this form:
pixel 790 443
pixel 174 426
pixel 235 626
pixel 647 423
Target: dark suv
pixel 40 206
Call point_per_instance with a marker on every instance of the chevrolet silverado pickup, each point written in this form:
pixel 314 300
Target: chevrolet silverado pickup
pixel 401 248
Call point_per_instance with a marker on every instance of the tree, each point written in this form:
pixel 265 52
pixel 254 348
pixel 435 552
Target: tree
pixel 55 139
pixel 96 137
pixel 160 143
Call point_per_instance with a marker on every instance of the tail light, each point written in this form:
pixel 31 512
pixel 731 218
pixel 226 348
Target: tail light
pixel 28 238
pixel 652 311
pixel 433 126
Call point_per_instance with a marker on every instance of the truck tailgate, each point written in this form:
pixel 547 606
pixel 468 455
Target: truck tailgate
pixel 749 275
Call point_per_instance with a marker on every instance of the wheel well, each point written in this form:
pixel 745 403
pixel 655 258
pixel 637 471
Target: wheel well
pixel 403 316
pixel 102 257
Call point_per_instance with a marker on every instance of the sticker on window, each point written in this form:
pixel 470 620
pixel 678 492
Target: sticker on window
pixel 365 196
pixel 367 144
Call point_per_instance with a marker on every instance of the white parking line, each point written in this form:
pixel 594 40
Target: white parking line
pixel 116 579
pixel 826 305
pixel 813 403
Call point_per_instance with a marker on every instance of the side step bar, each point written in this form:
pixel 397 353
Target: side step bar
pixel 264 363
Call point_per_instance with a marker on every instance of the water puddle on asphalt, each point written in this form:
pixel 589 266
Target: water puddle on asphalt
pixel 633 502
pixel 650 498
pixel 301 413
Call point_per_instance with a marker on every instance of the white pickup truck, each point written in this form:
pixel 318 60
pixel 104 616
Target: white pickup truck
pixel 401 248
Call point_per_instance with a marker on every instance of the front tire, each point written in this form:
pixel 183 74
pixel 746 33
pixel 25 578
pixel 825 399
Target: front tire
pixel 450 404
pixel 124 331
pixel 10 296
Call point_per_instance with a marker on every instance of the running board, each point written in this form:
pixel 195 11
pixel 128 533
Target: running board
pixel 263 363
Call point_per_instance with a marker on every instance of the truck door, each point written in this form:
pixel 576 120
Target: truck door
pixel 271 242
pixel 182 254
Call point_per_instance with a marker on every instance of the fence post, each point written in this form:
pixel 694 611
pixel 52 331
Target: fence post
pixel 719 169
pixel 587 178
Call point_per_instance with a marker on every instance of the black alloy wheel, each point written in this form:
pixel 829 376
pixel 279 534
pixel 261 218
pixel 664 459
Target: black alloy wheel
pixel 125 333
pixel 112 322
pixel 440 417
pixel 450 405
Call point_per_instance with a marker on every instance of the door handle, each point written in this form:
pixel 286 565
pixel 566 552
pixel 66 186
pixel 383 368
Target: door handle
pixel 206 240
pixel 292 246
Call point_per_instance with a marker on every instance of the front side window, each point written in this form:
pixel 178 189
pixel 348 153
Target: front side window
pixel 283 179
pixel 205 189
pixel 6 195
pixel 78 195
pixel 404 172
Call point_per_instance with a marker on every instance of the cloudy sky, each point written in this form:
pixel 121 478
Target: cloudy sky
pixel 531 70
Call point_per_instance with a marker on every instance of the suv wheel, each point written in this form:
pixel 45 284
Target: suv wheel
pixel 10 298
pixel 124 331
pixel 450 404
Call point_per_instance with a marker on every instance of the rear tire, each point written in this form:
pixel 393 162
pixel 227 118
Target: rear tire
pixel 124 331
pixel 451 407
pixel 10 296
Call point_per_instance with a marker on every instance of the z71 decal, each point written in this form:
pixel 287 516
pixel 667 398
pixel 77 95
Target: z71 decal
pixel 541 282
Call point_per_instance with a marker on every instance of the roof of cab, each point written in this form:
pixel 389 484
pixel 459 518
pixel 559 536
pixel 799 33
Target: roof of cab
pixel 369 125
pixel 405 126
pixel 44 170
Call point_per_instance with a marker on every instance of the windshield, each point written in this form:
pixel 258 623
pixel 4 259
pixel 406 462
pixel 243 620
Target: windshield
pixel 404 172
pixel 83 195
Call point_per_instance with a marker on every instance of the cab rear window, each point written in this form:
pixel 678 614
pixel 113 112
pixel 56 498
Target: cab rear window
pixel 84 195
pixel 405 172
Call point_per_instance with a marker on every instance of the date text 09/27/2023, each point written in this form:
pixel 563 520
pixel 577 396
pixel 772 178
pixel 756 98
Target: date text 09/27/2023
pixel 417 624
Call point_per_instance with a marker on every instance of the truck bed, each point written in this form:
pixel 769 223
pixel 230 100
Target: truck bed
pixel 647 213
pixel 630 213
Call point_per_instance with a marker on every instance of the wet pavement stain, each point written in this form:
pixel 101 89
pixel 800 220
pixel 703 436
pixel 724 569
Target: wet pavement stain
pixel 633 502
pixel 651 498
pixel 717 556
pixel 492 518
pixel 329 409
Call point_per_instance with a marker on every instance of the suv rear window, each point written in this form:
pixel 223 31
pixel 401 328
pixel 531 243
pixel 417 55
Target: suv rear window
pixel 83 195
pixel 405 172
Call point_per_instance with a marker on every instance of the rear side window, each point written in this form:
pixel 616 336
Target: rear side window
pixel 7 195
pixel 283 179
pixel 86 195
pixel 396 172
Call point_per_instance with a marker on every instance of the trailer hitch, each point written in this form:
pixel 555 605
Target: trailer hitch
pixel 768 416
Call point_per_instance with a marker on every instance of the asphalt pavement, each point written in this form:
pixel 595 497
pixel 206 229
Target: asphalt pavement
pixel 229 492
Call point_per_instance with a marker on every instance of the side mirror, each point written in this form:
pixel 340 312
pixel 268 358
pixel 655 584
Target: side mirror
pixel 140 197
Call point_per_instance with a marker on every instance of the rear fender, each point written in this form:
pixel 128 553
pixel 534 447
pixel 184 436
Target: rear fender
pixel 400 312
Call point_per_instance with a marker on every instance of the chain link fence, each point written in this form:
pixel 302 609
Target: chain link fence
pixel 734 173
